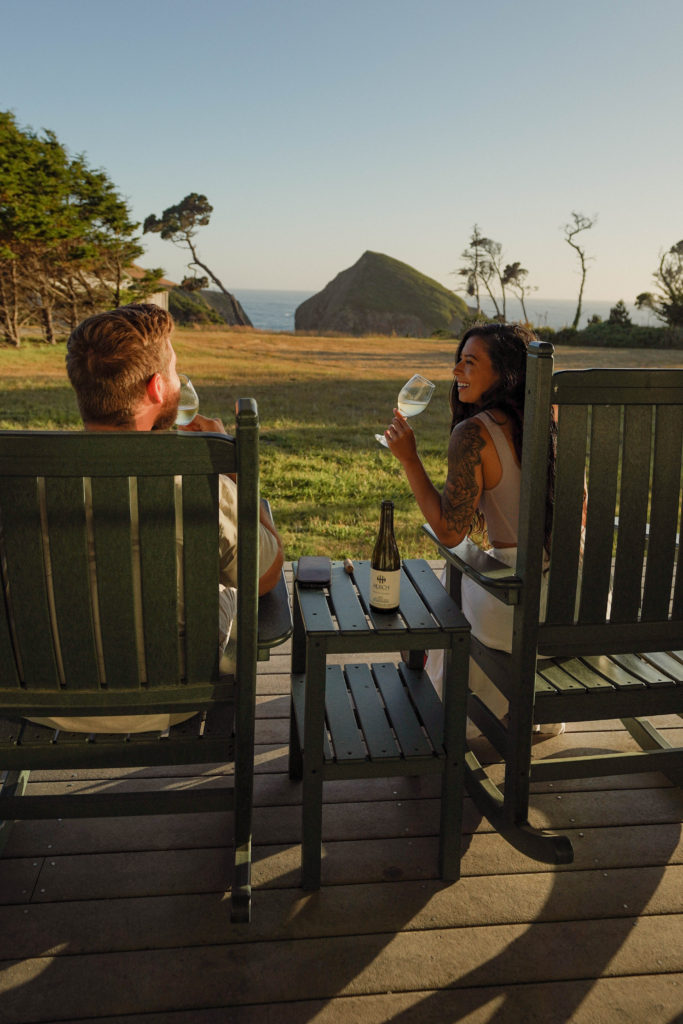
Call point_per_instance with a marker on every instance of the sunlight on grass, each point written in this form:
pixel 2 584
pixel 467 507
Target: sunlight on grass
pixel 321 400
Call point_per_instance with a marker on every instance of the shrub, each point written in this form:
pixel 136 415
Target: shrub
pixel 618 335
pixel 545 333
pixel 567 336
pixel 191 308
pixel 619 315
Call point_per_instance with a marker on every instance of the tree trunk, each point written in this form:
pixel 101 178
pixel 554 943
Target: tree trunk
pixel 476 280
pixel 117 286
pixel 577 315
pixel 502 292
pixel 241 318
pixel 492 298
pixel 9 337
pixel 9 307
pixel 48 327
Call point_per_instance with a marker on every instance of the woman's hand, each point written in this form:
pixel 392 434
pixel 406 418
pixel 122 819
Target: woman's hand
pixel 401 439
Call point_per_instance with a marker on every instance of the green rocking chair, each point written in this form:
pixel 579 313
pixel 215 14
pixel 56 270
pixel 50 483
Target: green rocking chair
pixel 79 507
pixel 609 642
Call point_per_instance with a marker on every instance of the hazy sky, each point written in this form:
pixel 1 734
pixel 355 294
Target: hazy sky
pixel 322 128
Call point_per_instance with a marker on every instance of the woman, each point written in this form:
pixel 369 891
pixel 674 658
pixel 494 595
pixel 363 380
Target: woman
pixel 484 475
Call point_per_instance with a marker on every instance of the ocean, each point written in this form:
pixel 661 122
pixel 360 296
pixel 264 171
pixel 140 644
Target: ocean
pixel 271 310
pixel 274 310
pixel 559 313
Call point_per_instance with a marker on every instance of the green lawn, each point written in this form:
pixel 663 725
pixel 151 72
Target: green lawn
pixel 321 400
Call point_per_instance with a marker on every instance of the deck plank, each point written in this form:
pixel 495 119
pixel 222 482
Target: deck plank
pixel 70 987
pixel 360 821
pixel 202 918
pixel 633 999
pixel 125 920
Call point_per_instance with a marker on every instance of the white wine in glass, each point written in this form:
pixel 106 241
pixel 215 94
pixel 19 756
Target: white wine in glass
pixel 189 402
pixel 413 398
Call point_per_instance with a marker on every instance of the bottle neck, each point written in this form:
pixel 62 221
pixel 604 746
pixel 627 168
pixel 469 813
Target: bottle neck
pixel 387 518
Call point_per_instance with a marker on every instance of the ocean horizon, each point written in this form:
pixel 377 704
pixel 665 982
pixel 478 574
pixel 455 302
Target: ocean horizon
pixel 271 309
pixel 274 309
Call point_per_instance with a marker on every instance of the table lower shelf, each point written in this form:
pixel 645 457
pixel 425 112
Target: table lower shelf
pixel 376 715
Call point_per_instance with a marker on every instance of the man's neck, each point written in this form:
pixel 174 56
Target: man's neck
pixel 108 426
pixel 144 420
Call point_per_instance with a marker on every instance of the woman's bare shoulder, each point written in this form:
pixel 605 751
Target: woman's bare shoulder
pixel 468 434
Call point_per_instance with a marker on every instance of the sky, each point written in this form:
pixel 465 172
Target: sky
pixel 319 129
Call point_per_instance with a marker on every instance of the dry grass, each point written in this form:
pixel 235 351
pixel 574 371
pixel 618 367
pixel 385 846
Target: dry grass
pixel 321 400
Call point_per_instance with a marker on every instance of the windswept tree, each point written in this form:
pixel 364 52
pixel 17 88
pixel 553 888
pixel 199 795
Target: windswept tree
pixel 492 271
pixel 515 276
pixel 36 225
pixel 667 303
pixel 579 223
pixel 179 224
pixel 482 268
pixel 66 237
pixel 472 257
pixel 194 284
pixel 484 271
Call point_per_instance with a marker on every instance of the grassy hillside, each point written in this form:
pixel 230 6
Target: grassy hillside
pixel 378 288
pixel 381 282
pixel 223 306
pixel 192 308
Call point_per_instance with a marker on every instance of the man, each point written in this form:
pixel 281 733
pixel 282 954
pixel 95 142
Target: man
pixel 122 367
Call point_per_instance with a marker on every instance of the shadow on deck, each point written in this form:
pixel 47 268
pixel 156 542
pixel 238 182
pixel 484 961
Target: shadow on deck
pixel 124 920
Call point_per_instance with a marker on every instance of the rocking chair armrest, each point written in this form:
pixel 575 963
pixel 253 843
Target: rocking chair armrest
pixel 493 575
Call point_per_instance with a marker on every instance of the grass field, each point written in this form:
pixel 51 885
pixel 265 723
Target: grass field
pixel 321 400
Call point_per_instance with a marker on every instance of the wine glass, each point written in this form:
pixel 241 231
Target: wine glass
pixel 188 403
pixel 413 398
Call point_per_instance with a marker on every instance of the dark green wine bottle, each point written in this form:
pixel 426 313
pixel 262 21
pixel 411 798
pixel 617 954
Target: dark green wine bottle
pixel 385 567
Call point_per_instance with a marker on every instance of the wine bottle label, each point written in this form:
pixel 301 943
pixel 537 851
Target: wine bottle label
pixel 385 588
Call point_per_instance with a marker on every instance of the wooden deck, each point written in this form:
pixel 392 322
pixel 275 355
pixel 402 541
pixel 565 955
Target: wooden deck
pixel 125 919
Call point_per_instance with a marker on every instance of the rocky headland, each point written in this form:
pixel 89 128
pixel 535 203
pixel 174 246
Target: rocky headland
pixel 381 295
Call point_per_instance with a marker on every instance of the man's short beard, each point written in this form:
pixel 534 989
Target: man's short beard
pixel 168 412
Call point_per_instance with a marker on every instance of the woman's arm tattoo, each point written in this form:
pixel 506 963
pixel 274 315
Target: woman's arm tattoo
pixel 461 488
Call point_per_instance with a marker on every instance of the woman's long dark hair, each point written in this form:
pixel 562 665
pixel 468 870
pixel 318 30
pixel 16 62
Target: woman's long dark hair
pixel 506 345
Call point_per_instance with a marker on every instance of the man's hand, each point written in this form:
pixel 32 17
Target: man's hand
pixel 203 423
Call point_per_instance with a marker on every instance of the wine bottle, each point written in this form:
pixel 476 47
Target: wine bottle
pixel 385 566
